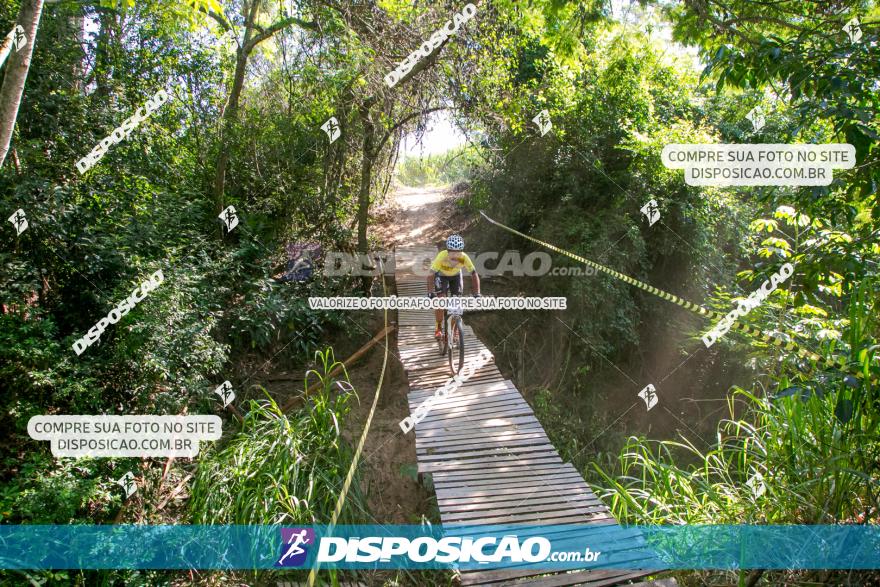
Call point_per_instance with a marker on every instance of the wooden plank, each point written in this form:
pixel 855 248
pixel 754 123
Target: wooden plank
pixel 467 494
pixel 491 425
pixel 466 437
pixel 572 517
pixel 508 482
pixel 475 464
pixel 472 395
pixel 549 474
pixel 452 445
pixel 442 426
pixel 479 463
pixel 521 504
pixel 460 488
pixel 489 452
pixel 571 500
pixel 591 578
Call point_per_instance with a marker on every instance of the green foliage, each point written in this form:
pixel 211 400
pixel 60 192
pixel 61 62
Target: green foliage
pixel 74 490
pixel 280 469
pixel 455 165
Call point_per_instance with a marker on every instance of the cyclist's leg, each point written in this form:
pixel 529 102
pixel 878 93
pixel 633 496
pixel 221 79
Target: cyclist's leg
pixel 440 287
pixel 456 287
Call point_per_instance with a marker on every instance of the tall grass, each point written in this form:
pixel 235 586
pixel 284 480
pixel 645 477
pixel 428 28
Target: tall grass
pixel 787 461
pixel 808 454
pixel 281 468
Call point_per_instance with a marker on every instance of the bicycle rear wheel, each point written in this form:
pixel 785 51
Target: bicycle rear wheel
pixel 456 353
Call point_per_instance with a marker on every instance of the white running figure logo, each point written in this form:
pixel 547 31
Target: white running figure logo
pixel 295 540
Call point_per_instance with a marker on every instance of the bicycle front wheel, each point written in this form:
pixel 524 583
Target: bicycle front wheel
pixel 456 352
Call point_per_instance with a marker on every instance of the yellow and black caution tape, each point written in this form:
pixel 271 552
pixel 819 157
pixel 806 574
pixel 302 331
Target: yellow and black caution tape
pixel 340 501
pixel 835 362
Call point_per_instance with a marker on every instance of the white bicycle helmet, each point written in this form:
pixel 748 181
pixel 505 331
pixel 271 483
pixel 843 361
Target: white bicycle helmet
pixel 455 243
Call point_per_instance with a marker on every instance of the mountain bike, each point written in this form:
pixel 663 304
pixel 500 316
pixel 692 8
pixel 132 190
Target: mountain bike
pixel 452 342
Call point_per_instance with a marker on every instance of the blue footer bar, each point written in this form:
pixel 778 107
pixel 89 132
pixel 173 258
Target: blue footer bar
pixel 548 547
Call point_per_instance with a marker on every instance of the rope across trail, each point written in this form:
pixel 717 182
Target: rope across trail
pixel 834 363
pixel 313 574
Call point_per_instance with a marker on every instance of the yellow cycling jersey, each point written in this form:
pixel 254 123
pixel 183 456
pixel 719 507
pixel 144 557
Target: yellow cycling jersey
pixel 449 267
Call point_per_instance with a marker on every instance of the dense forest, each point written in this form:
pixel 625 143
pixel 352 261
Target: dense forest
pixel 128 129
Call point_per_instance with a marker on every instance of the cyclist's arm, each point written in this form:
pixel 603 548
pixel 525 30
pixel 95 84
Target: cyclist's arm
pixel 475 278
pixel 435 266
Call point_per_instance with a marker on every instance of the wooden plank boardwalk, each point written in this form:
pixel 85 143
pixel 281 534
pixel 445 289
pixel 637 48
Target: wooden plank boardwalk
pixel 490 459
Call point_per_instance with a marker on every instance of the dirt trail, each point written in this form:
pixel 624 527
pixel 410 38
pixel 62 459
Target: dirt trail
pixel 415 216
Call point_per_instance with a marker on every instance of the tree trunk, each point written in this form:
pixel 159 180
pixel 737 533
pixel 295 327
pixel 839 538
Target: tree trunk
pixel 16 73
pixel 229 116
pixel 367 161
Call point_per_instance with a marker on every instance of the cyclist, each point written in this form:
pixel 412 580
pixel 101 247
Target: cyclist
pixel 447 275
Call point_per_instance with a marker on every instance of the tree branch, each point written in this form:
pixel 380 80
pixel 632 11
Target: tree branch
pixel 403 121
pixel 275 27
